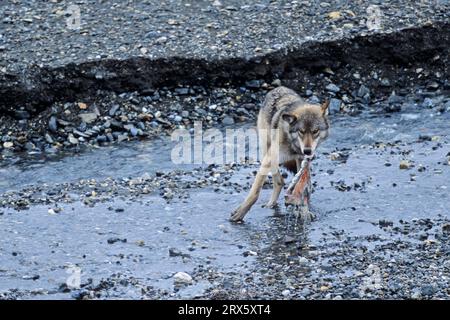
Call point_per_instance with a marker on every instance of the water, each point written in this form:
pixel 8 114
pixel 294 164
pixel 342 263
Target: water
pixel 45 245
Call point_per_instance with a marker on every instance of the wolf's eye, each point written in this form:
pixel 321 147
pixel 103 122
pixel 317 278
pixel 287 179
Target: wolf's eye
pixel 302 132
pixel 315 132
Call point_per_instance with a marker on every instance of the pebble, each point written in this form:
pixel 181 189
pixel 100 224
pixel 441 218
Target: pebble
pixel 335 105
pixel 8 145
pixel 112 112
pixel 161 40
pixel 228 120
pixel 88 117
pixel 427 103
pixel 72 139
pixel 363 91
pixel 286 293
pixel 52 124
pixel 405 164
pixel 182 278
pixel 333 88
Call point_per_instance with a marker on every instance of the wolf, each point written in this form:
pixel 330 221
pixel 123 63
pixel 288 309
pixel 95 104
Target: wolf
pixel 289 129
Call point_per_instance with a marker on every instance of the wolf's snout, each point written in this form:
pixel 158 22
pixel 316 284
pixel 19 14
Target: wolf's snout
pixel 307 151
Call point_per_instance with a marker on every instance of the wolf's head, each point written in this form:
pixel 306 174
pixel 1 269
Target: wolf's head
pixel 306 126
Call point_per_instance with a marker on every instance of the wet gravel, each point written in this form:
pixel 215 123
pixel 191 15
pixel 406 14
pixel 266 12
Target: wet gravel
pixel 212 29
pixel 111 118
pixel 407 260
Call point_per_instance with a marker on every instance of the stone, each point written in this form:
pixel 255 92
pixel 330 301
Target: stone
pixel 254 84
pixel 363 91
pixel 405 164
pixel 286 293
pixel 88 117
pixel 427 103
pixel 52 124
pixel 333 88
pixel 335 105
pixel 8 145
pixel 72 139
pixel 228 120
pixel 113 110
pixel 182 278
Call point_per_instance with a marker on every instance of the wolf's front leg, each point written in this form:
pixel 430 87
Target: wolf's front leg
pixel 255 190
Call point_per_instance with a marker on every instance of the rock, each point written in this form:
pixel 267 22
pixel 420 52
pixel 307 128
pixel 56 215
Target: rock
pixel 433 85
pixel 334 15
pixel 114 240
pixel 182 278
pixel 112 112
pixel 72 139
pixel 276 83
pixel 52 124
pixel 21 114
pixel 161 40
pixel 427 290
pixel 102 138
pixel 424 137
pixel 405 164
pixel 82 106
pixel 332 88
pixel 174 252
pixel 177 119
pixel 303 260
pixel 392 108
pixel 363 91
pixel 394 99
pixel 385 82
pixel 228 120
pixel 122 137
pixel 416 295
pixel 427 103
pixel 134 132
pixel 254 84
pixel 182 91
pixel 288 239
pixel 335 105
pixel 29 146
pixel 8 145
pixel 48 138
pixel 286 293
pixel 185 114
pixel 314 99
pixel 88 117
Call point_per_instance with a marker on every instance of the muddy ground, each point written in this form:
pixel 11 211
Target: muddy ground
pixel 88 190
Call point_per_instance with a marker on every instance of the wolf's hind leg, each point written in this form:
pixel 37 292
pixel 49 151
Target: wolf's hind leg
pixel 278 183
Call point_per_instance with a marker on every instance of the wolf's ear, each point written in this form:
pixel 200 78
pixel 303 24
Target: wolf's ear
pixel 324 107
pixel 289 118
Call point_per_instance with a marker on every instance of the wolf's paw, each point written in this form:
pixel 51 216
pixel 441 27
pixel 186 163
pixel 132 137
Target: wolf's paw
pixel 307 215
pixel 270 205
pixel 238 214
